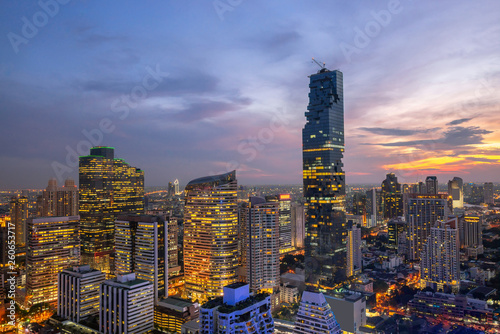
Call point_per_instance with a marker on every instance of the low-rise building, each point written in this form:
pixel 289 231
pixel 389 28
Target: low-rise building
pixel 171 313
pixel 289 293
pixel 237 312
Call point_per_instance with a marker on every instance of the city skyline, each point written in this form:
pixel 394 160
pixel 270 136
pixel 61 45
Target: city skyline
pixel 415 109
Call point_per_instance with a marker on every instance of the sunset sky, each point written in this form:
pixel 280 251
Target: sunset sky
pixel 187 89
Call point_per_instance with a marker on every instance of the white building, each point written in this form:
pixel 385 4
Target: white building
pixel 289 293
pixel 349 308
pixel 440 264
pixel 78 292
pixel 126 305
pixel 354 259
pixel 315 316
pixel 237 312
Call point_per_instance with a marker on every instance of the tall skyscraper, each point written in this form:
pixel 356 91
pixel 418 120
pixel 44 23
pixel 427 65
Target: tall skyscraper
pixel 108 187
pixel 19 216
pixel 431 185
pixel 210 235
pixel 261 257
pixel 78 292
pixel 53 245
pixel 285 217
pixel 423 212
pixel 176 187
pixel 324 180
pixel 141 248
pixel 58 201
pixel 393 198
pixel 315 316
pixel 470 231
pixel 126 305
pixel 4 232
pixel 354 260
pixel 488 193
pixel 440 263
pixel 374 207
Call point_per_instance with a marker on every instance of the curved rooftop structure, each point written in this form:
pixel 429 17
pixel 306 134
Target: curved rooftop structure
pixel 214 180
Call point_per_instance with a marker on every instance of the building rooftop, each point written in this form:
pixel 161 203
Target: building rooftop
pixel 214 180
pixel 175 303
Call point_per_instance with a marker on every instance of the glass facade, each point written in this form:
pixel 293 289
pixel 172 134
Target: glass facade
pixel 108 187
pixel 324 180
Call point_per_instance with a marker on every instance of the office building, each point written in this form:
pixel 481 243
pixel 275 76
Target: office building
pixel 349 308
pixel 171 313
pixel 457 308
pixel 285 218
pixel 298 225
pixel 440 257
pixel 393 197
pixel 58 201
pixel 456 192
pixel 354 259
pixel 315 316
pixel 78 292
pixel 395 228
pixel 237 312
pixel 141 248
pixel 488 193
pixel 374 208
pixel 423 212
pixel 19 216
pixel 53 245
pixel 431 185
pixel 108 187
pixel 260 252
pixel 324 179
pixel 210 235
pixel 126 305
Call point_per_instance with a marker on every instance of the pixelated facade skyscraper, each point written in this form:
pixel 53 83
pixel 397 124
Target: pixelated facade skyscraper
pixel 324 179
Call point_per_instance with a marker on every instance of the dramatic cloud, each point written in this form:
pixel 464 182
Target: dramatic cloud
pixel 396 132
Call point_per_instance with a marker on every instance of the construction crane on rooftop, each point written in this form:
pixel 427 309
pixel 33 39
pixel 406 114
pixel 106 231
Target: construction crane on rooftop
pixel 321 66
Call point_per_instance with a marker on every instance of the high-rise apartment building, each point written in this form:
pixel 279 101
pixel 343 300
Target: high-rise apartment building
pixel 470 230
pixel 423 212
pixel 126 305
pixel 315 316
pixel 53 245
pixel 354 259
pixel 456 192
pixel 108 187
pixel 210 235
pixel 324 179
pixel 173 247
pixel 431 185
pixel 78 292
pixel 141 248
pixel 440 264
pixel 488 193
pixel 298 225
pixel 261 257
pixel 58 201
pixel 285 217
pixel 19 216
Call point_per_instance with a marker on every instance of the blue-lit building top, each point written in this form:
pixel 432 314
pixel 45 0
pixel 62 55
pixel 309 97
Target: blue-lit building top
pixel 324 179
